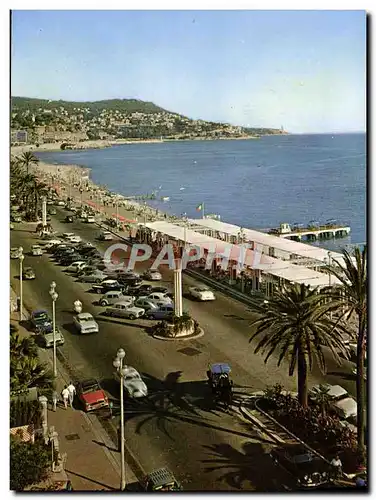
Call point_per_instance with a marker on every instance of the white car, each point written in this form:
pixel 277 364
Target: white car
pixel 340 401
pixel 14 253
pixel 150 275
pixel 96 277
pixel 66 236
pixel 123 309
pixel 48 338
pixel 60 203
pixel 75 267
pixel 159 298
pixel 36 250
pixel 201 293
pixel 85 323
pixel 110 298
pixel 105 236
pixel 90 219
pixel 134 386
pixel 49 244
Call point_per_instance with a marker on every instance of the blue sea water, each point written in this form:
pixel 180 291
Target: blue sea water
pixel 252 183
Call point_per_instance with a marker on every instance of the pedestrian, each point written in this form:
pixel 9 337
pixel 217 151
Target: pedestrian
pixel 54 400
pixel 72 391
pixel 337 466
pixel 65 396
pixel 18 304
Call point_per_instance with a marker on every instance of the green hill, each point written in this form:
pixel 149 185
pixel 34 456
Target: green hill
pixel 124 105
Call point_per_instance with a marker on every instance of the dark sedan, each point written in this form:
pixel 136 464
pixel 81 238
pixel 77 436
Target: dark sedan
pixel 307 470
pixel 40 321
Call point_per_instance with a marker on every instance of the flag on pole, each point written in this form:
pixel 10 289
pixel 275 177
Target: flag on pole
pixel 200 207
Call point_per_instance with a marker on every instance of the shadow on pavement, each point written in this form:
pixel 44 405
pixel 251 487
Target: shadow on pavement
pixel 101 317
pixel 91 480
pixel 249 468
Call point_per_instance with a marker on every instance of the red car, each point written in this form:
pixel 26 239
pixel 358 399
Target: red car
pixel 91 395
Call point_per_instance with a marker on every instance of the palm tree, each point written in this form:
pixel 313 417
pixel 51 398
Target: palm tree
pixel 29 372
pixel 28 159
pixel 351 299
pixel 21 347
pixel 295 324
pixel 322 398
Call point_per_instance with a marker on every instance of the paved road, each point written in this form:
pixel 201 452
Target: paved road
pixel 178 426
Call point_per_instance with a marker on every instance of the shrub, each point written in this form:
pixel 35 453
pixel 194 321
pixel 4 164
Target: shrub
pixel 29 463
pixel 24 413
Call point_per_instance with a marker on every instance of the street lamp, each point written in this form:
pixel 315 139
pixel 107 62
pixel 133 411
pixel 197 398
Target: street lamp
pixel 21 257
pixel 118 364
pixel 54 297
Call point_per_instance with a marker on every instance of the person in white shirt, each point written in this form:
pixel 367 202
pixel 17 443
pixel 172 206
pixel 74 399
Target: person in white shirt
pixel 71 391
pixel 337 466
pixel 65 396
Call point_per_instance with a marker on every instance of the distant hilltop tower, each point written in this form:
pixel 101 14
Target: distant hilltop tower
pixel 282 129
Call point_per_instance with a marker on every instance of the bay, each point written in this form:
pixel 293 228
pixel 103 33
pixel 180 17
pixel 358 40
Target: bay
pixel 253 183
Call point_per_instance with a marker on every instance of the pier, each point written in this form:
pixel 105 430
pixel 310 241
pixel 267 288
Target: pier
pixel 311 233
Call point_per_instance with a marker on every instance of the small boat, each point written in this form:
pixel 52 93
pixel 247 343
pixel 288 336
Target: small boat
pixel 165 198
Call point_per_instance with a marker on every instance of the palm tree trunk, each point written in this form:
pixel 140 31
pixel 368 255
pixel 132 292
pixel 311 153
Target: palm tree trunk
pixel 360 387
pixel 302 379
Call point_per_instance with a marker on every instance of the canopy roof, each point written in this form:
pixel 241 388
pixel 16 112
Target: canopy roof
pixel 254 260
pixel 283 244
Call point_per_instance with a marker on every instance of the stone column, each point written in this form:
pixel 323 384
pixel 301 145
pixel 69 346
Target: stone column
pixel 43 402
pixel 178 291
pixel 44 211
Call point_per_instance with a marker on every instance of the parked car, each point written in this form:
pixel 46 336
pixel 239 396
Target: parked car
pixel 60 203
pixel 307 470
pixel 159 298
pixel 162 312
pixel 15 253
pixel 66 236
pixel 105 236
pixel 52 211
pixel 74 239
pixel 66 260
pixel 129 281
pixel 40 320
pixel 96 277
pixel 106 285
pixel 16 218
pixel 139 290
pixel 111 297
pixel 146 304
pixel 201 293
pixel 76 266
pixel 91 395
pixel 90 219
pixel 160 480
pixel 159 289
pixel 36 250
pixel 48 338
pixel 85 323
pixel 134 386
pixel 123 309
pixel 86 270
pixel 28 274
pixel 150 275
pixel 340 401
pixel 69 219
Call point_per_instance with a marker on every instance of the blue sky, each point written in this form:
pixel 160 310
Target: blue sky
pixel 305 70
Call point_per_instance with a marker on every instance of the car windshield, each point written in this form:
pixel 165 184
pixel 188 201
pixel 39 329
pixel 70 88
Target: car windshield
pixel 40 316
pixel 90 387
pixel 133 376
pixel 85 319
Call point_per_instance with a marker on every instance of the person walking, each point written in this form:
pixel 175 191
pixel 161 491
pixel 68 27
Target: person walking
pixel 65 396
pixel 72 392
pixel 54 400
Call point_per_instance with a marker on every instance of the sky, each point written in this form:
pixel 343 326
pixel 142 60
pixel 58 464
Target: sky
pixel 303 70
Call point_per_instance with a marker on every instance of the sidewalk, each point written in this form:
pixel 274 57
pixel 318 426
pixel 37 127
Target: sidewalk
pixel 92 462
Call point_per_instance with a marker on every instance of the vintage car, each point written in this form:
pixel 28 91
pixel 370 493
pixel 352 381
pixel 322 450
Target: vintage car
pixel 40 321
pixel 91 395
pixel 47 338
pixel 339 400
pixel 201 293
pixel 124 309
pixel 150 275
pixel 15 253
pixel 69 219
pixel 107 284
pixel 134 386
pixel 160 312
pixel 85 323
pixel 160 480
pixel 105 236
pixel 306 469
pixel 110 298
pixel 36 250
pixel 28 274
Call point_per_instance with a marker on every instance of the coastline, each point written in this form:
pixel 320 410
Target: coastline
pixel 101 144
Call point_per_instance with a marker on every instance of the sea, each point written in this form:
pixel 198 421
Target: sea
pixel 254 183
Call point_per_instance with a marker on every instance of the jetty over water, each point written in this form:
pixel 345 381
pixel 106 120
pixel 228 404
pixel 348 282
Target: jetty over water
pixel 311 233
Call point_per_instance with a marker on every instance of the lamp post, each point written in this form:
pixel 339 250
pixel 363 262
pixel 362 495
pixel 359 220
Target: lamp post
pixel 54 297
pixel 118 364
pixel 21 257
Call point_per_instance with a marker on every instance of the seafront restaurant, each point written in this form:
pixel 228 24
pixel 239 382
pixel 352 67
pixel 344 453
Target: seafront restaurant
pixel 261 273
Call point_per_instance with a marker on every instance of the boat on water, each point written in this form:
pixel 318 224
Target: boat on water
pixel 165 198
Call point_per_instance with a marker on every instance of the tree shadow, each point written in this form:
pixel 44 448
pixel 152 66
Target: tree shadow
pixel 250 468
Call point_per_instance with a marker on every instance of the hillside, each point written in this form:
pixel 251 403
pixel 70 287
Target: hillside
pixel 124 105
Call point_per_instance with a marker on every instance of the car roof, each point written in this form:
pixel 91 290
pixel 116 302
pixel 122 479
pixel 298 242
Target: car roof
pixel 122 303
pixel 39 311
pixel 89 382
pixel 161 477
pixel 220 368
pixel 112 292
pixel 335 391
pixel 85 315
